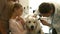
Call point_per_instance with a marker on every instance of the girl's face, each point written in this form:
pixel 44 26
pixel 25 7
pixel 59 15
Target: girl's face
pixel 19 11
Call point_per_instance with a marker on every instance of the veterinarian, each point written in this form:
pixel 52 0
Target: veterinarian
pixel 49 10
pixel 16 22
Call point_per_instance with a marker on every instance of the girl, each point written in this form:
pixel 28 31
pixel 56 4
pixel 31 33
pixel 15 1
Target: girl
pixel 16 21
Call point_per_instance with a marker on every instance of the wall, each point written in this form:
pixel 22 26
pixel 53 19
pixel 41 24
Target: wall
pixel 25 3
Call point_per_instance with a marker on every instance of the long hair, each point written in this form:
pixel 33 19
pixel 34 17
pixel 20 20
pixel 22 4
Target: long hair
pixel 16 6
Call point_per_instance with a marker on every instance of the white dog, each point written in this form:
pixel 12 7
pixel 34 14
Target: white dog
pixel 32 25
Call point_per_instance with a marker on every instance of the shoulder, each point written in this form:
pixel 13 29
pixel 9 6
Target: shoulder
pixel 56 19
pixel 56 16
pixel 12 20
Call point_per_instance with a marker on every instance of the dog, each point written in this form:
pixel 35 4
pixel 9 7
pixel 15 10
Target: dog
pixel 32 25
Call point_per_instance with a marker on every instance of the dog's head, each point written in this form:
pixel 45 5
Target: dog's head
pixel 31 22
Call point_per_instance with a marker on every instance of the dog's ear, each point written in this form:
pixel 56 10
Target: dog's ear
pixel 26 17
pixel 38 23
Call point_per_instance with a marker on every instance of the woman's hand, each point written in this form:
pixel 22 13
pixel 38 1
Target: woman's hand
pixel 45 23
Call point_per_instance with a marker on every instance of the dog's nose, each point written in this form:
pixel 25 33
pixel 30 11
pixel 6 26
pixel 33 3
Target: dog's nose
pixel 32 27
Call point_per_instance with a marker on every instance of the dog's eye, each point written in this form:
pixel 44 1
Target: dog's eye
pixel 34 22
pixel 29 21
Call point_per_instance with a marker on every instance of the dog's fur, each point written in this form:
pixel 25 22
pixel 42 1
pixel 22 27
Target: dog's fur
pixel 32 25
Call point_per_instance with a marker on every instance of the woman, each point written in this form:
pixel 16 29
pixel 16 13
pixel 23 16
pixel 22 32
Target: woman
pixel 47 10
pixel 5 11
pixel 16 21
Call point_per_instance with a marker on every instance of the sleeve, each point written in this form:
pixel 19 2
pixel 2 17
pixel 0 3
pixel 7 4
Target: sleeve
pixel 56 19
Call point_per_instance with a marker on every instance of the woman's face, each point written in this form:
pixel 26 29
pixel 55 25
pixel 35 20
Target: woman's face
pixel 47 14
pixel 50 13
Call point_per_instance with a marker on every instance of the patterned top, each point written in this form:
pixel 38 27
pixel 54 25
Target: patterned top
pixel 56 21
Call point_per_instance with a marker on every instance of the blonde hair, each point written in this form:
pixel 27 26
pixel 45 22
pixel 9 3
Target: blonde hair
pixel 16 6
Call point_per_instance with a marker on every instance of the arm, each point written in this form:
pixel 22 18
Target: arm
pixel 45 23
